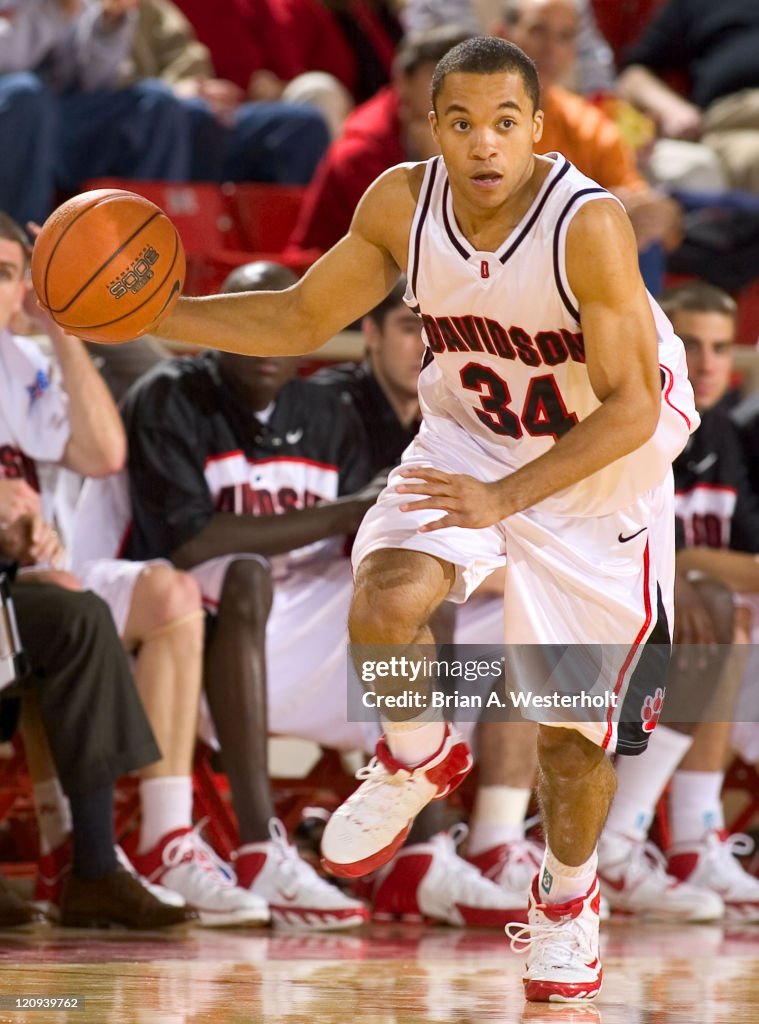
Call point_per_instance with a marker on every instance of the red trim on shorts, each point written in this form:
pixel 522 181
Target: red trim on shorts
pixel 124 538
pixel 671 384
pixel 638 639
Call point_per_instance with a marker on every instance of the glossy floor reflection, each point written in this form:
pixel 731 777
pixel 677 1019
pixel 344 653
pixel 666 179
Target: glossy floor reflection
pixel 387 974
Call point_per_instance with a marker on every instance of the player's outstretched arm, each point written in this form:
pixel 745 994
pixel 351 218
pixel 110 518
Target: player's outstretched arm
pixel 345 283
pixel 622 361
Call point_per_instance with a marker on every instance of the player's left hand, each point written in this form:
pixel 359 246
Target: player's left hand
pixel 467 502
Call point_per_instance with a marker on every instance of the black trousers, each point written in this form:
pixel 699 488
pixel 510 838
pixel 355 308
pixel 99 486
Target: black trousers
pixel 92 713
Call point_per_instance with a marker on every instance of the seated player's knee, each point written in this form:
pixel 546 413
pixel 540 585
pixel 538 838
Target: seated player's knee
pixel 565 754
pixel 59 578
pixel 166 595
pixel 247 592
pixel 719 603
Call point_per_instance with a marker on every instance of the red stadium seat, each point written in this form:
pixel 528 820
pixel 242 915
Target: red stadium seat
pixel 200 212
pixel 264 214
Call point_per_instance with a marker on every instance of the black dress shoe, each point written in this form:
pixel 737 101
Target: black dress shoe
pixel 15 912
pixel 117 899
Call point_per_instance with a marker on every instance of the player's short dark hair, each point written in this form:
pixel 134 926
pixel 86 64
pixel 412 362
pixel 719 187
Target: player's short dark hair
pixel 391 301
pixel 488 55
pixel 697 297
pixel 13 232
pixel 427 47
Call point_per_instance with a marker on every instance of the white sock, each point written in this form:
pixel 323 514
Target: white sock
pixel 53 814
pixel 497 818
pixel 640 783
pixel 560 883
pixel 695 806
pixel 413 742
pixel 166 805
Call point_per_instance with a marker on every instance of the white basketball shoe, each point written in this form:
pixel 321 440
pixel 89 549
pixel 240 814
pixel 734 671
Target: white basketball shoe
pixel 370 827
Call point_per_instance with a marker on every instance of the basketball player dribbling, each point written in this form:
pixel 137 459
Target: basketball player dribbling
pixel 554 398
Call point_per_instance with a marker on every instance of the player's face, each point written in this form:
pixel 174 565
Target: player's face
pixel 486 128
pixel 12 280
pixel 547 32
pixel 396 350
pixel 257 380
pixel 708 340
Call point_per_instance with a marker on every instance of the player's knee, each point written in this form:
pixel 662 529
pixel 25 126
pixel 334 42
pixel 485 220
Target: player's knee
pixel 565 754
pixel 383 617
pixel 719 602
pixel 165 595
pixel 247 592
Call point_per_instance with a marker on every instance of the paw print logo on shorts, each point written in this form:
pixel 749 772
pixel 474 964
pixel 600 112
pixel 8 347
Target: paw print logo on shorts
pixel 652 709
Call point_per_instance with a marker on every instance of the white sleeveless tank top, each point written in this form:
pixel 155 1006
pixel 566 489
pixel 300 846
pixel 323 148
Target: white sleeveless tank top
pixel 505 356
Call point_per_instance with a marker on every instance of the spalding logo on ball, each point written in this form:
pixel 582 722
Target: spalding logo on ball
pixel 108 265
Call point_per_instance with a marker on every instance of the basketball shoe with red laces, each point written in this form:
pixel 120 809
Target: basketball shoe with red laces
pixel 563 962
pixel 297 896
pixel 430 882
pixel 712 865
pixel 370 827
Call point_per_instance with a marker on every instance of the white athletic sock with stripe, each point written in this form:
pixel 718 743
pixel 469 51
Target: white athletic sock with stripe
pixel 695 806
pixel 641 781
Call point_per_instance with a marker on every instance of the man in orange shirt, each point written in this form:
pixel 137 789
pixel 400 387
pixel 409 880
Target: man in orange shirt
pixel 547 31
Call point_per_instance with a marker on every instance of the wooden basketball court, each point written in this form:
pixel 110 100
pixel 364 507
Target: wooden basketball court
pixel 385 974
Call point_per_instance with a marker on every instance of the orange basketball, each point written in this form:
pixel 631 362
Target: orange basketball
pixel 108 265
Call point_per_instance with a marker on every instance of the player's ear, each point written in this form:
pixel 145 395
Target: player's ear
pixel 371 333
pixel 537 126
pixel 432 117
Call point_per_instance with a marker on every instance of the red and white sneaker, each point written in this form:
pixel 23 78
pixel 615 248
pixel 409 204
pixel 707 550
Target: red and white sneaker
pixel 712 866
pixel 563 962
pixel 185 864
pixel 511 865
pixel 430 882
pixel 52 871
pixel 638 883
pixel 370 827
pixel 297 896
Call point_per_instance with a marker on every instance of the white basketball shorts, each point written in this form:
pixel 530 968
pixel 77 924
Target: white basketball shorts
pixel 576 580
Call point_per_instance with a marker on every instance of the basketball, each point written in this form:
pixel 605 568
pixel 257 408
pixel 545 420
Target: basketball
pixel 108 265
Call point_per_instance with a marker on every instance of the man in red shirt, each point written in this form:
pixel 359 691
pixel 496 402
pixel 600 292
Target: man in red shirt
pixel 386 130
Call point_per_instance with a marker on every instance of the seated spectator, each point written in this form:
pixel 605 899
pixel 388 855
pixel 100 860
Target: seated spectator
pixel 713 49
pixel 291 50
pixel 73 423
pixel 594 69
pixel 386 130
pixel 547 31
pixel 62 119
pixel 718 538
pixel 231 140
pixel 96 729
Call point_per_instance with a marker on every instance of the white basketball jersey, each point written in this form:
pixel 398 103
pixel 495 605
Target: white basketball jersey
pixel 504 330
